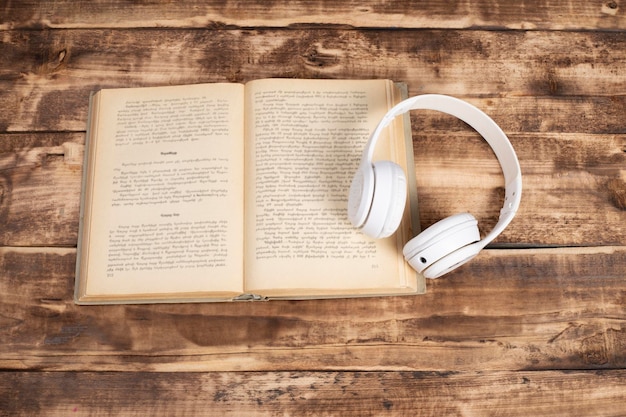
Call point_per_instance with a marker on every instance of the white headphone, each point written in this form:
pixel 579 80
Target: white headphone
pixel 378 193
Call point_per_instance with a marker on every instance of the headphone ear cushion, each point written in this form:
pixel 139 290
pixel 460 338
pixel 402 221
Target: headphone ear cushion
pixel 433 247
pixel 361 195
pixel 388 200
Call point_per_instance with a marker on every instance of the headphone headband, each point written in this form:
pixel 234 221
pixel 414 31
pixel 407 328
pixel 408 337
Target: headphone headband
pixel 486 127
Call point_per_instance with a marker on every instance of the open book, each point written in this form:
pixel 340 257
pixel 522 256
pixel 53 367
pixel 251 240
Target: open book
pixel 224 191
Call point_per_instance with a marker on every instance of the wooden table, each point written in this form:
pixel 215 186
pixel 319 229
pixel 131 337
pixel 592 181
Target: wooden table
pixel 536 325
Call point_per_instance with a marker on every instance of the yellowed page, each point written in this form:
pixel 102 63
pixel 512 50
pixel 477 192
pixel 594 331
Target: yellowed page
pixel 304 142
pixel 166 211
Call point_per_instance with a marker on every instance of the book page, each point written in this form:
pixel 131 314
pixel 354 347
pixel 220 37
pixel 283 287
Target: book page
pixel 167 206
pixel 304 142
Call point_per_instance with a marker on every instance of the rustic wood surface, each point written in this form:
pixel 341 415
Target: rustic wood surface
pixel 536 325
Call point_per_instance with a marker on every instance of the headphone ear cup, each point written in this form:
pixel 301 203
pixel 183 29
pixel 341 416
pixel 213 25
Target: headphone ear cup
pixel 388 200
pixel 452 261
pixel 432 252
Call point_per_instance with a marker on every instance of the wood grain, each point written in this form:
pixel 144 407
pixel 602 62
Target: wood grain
pixel 534 309
pixel 601 394
pixel 574 185
pixel 544 15
pixel 535 82
pixel 568 133
pixel 40 183
pixel 534 326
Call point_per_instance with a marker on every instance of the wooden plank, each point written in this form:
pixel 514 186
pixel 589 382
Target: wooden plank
pixel 598 394
pixel 574 185
pixel 550 15
pixel 538 81
pixel 534 309
pixel 40 184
